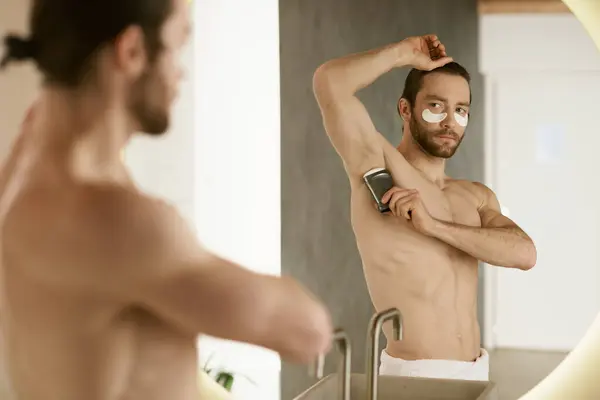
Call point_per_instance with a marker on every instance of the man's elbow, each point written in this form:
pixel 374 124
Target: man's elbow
pixel 528 257
pixel 294 326
pixel 327 83
pixel 301 344
pixel 322 81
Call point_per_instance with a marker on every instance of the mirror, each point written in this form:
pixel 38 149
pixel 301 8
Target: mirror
pixel 524 140
pixel 534 75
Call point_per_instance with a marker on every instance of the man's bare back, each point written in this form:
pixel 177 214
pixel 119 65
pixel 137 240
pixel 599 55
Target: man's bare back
pixel 104 288
pixel 422 256
pixel 66 336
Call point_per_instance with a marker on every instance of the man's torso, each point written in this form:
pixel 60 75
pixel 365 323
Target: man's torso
pixel 433 284
pixel 69 343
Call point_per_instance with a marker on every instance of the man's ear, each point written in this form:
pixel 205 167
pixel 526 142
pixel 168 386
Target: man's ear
pixel 130 52
pixel 404 109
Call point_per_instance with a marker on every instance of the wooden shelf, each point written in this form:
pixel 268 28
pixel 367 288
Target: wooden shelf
pixel 522 7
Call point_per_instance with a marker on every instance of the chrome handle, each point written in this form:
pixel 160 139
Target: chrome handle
pixel 344 346
pixel 375 326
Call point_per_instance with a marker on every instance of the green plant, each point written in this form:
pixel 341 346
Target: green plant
pixel 222 377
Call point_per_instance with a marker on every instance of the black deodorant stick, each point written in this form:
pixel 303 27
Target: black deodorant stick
pixel 379 181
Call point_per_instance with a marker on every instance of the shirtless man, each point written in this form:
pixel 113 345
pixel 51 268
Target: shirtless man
pixel 105 289
pixel 422 256
pixel 5 176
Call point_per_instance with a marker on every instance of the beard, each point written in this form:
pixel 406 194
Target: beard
pixel 144 105
pixel 425 138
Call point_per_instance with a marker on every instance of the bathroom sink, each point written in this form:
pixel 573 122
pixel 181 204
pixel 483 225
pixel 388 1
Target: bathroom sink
pixel 401 388
pixel 347 386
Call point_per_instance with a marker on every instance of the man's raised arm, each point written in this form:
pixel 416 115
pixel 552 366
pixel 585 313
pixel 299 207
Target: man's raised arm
pixel 345 118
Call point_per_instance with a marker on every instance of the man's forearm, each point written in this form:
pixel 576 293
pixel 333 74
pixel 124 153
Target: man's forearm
pixel 354 72
pixel 504 247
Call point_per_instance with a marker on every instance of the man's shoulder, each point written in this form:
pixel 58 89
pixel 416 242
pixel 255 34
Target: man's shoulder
pixel 87 217
pixel 130 224
pixel 476 188
pixel 483 192
pixel 118 217
pixel 81 203
pixel 87 233
pixel 115 205
pixel 478 191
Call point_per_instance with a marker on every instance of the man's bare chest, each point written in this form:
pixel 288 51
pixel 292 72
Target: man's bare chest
pixel 449 205
pixel 462 209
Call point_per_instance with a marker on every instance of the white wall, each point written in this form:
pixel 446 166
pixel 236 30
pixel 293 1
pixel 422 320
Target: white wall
pixel 542 142
pixel 237 158
pixel 164 166
pixel 18 83
pixel 220 164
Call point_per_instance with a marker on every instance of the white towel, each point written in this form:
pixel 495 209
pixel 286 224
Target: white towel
pixel 477 370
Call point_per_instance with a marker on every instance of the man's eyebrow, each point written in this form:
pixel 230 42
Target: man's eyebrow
pixel 435 97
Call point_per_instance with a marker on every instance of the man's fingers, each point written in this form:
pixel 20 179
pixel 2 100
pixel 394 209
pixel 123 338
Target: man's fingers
pixel 403 210
pixel 394 199
pixel 399 195
pixel 388 195
pixel 430 38
pixel 442 50
pixel 441 62
pixel 405 205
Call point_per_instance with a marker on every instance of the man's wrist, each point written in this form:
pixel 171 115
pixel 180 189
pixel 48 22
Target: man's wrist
pixel 436 228
pixel 403 54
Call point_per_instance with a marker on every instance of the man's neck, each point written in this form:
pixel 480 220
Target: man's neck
pixel 432 168
pixel 84 129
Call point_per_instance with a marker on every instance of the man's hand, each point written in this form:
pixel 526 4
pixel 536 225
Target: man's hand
pixel 423 52
pixel 406 203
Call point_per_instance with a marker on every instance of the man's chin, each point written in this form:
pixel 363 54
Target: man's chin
pixel 443 153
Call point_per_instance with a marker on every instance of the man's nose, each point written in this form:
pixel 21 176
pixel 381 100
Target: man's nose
pixel 449 122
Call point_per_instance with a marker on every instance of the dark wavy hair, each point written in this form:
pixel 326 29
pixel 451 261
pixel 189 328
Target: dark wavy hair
pixel 66 35
pixel 414 80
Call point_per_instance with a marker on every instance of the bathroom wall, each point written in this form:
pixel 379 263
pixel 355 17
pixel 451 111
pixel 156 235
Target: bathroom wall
pixel 18 83
pixel 542 152
pixel 317 241
pixel 237 162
